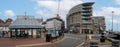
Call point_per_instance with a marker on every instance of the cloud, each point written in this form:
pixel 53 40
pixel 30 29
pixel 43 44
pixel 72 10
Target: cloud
pixel 9 13
pixel 50 9
pixel 45 13
pixel 114 21
pixel 107 12
pixel 52 5
pixel 117 1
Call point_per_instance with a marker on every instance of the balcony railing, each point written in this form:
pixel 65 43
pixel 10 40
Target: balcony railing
pixel 86 21
pixel 86 7
pixel 86 17
pixel 86 27
pixel 86 13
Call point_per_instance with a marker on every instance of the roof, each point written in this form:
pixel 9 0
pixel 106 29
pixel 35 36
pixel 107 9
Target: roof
pixel 9 20
pixel 5 25
pixel 25 22
pixel 1 21
pixel 88 3
pixel 55 18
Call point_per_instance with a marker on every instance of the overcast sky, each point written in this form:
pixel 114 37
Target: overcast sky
pixel 48 8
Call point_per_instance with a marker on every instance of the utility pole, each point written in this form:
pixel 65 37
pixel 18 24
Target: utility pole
pixel 112 20
pixel 86 32
pixel 117 27
pixel 58 7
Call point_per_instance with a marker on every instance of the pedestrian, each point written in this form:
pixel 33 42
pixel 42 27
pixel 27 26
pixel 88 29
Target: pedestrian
pixel 90 36
pixel 0 34
pixel 86 36
pixel 3 33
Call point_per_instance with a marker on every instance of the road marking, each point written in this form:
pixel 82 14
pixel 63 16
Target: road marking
pixel 80 44
pixel 33 44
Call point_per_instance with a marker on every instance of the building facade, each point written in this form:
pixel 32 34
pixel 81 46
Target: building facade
pixel 54 24
pixel 79 18
pixel 25 26
pixel 4 25
pixel 99 24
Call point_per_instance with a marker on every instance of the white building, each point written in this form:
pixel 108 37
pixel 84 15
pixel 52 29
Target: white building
pixel 4 27
pixel 53 24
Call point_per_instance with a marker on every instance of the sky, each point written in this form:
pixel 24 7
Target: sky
pixel 48 8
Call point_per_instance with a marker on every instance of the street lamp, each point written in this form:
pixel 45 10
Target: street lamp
pixel 112 20
pixel 86 32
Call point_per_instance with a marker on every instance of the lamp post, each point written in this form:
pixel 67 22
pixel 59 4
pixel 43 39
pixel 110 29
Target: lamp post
pixel 117 27
pixel 86 32
pixel 112 20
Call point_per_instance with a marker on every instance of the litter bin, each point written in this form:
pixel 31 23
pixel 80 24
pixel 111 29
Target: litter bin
pixel 48 37
pixel 115 43
pixel 102 39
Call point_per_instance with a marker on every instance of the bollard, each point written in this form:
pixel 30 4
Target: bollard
pixel 48 37
pixel 102 39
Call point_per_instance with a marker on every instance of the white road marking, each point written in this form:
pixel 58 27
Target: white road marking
pixel 32 44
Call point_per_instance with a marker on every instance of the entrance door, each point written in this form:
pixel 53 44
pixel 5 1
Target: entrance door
pixel 22 33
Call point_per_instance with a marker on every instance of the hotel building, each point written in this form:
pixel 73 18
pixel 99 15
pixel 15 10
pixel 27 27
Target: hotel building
pixel 79 18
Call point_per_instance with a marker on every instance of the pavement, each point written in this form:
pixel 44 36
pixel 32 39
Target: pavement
pixel 96 38
pixel 69 40
pixel 34 45
pixel 12 42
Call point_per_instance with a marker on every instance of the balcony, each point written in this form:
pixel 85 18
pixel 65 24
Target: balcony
pixel 86 13
pixel 86 7
pixel 87 27
pixel 86 21
pixel 86 16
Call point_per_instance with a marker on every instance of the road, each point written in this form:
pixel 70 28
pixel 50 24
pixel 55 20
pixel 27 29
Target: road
pixel 69 40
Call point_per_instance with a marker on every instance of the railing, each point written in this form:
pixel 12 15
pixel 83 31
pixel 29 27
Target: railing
pixel 86 7
pixel 86 21
pixel 88 27
pixel 86 13
pixel 85 17
pixel 86 10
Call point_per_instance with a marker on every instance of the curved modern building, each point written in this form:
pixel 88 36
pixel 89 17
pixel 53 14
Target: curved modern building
pixel 79 18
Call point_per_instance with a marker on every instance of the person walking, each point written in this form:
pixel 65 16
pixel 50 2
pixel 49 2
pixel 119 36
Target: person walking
pixel 3 34
pixel 90 36
pixel 0 34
